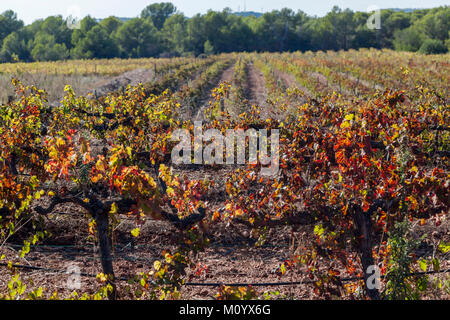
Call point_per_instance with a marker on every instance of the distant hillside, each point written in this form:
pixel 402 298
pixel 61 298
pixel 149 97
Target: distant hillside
pixel 242 14
pixel 124 19
pixel 404 10
pixel 120 18
pixel 248 13
pixel 259 14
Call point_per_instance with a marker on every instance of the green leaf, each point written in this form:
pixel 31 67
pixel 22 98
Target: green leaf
pixel 25 249
pixel 38 292
pixel 444 247
pixel 423 264
pixel 283 269
pixel 20 288
pixel 422 284
pixel 436 265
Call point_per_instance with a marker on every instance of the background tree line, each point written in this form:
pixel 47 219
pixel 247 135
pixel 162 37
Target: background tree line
pixel 163 31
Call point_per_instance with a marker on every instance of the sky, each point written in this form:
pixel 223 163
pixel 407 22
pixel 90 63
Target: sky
pixel 30 10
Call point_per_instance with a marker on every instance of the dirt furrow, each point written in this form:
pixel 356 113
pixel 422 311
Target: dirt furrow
pixel 329 85
pixel 227 76
pixel 133 78
pixel 365 83
pixel 289 81
pixel 257 91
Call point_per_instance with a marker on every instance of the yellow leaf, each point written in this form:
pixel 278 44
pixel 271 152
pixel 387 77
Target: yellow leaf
pixel 129 151
pixel 135 232
pixel 84 145
pixel 345 125
pixel 444 247
pixel 53 153
pixel 99 165
pixel 113 208
pixel 114 160
pixel 349 117
pixel 60 141
pixel 102 277
pixel 170 192
pixel 283 269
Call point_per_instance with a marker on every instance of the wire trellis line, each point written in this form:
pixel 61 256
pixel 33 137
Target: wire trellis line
pixel 216 284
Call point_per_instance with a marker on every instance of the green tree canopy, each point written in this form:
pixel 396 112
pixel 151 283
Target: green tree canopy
pixel 57 27
pixel 111 24
pixel 97 43
pixel 15 45
pixel 159 13
pixel 433 46
pixel 162 30
pixel 409 39
pixel 47 49
pixel 174 33
pixel 9 24
pixel 138 38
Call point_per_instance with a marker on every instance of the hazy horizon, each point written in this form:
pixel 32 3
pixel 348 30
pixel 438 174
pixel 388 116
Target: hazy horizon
pixel 29 11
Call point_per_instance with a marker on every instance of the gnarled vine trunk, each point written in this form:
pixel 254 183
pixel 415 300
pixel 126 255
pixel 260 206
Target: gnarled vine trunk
pixel 102 220
pixel 363 229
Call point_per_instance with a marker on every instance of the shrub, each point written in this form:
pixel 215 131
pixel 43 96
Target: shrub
pixel 433 46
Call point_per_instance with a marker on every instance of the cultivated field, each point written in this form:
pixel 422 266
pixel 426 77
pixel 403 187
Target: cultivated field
pixel 360 177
